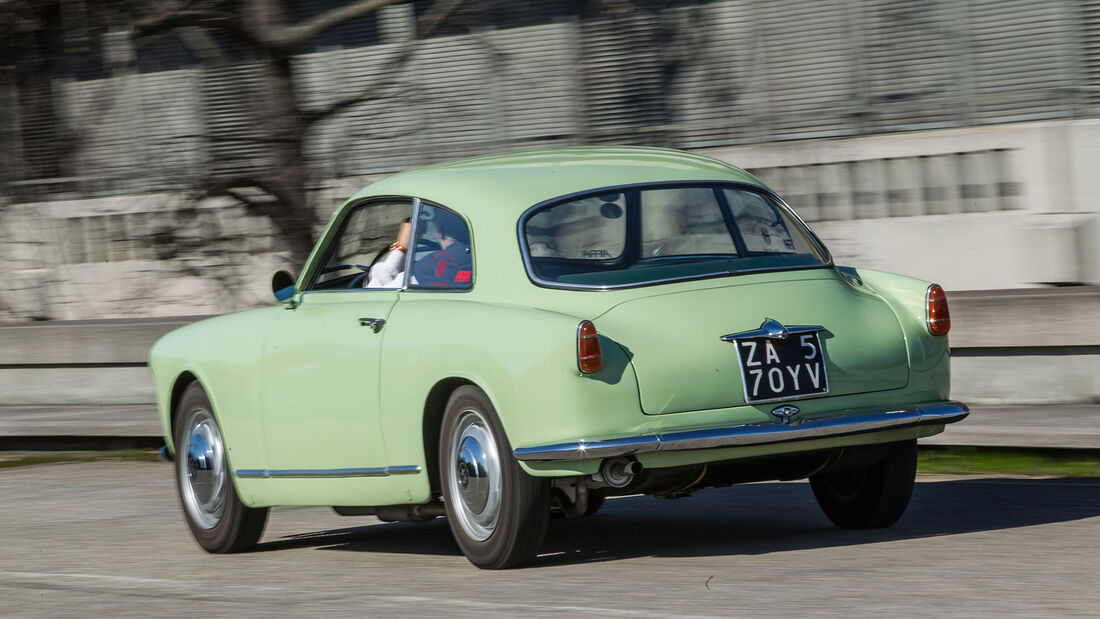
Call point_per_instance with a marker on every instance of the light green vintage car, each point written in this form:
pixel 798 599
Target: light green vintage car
pixel 556 327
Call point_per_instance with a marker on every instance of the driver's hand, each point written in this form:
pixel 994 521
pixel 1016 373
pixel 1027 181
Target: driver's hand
pixel 402 242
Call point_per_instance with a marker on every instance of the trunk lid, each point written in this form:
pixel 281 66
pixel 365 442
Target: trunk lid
pixel 673 339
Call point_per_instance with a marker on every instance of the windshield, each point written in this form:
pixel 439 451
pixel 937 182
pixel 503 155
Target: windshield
pixel 649 234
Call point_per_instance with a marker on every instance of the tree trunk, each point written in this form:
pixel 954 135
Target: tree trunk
pixel 285 129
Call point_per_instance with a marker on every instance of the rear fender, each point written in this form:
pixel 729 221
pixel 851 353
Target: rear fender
pixel 929 355
pixel 525 360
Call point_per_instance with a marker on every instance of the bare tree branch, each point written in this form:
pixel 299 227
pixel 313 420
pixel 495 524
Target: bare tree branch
pixel 388 74
pixel 253 206
pixel 203 45
pixel 230 186
pixel 17 16
pixel 172 19
pixel 245 201
pixel 294 37
pixel 282 41
pixel 427 24
pixel 388 71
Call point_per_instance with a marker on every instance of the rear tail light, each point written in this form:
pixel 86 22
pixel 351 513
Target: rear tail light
pixel 939 318
pixel 589 358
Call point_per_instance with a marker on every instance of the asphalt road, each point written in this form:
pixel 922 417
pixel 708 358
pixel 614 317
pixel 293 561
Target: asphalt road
pixel 108 539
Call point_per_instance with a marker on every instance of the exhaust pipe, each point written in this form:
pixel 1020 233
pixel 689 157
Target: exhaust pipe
pixel 618 472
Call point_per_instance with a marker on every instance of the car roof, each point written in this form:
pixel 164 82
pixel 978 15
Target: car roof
pixel 510 183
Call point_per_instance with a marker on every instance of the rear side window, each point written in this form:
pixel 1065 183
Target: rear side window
pixel 681 222
pixel 591 228
pixel 650 234
pixel 442 256
pixel 765 228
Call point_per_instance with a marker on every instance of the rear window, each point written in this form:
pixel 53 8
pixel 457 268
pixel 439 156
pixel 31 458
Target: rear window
pixel 644 235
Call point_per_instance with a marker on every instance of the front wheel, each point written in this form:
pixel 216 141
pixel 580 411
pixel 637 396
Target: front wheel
pixel 216 516
pixel 497 512
pixel 871 497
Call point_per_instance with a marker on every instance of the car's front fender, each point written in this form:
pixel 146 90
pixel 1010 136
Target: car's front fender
pixel 224 355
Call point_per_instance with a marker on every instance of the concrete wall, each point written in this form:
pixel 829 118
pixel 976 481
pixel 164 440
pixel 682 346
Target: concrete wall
pixel 1026 217
pixel 992 208
pixel 1026 346
pixel 80 362
pixel 1009 347
pixel 141 255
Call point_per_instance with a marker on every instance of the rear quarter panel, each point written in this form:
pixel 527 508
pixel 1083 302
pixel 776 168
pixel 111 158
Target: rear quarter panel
pixel 524 359
pixel 929 355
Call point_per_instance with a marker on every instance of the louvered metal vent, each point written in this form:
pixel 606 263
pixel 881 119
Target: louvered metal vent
pixel 685 74
pixel 1090 19
pixel 38 127
pixel 232 108
pixel 1022 59
pixel 714 87
pixel 808 68
pixel 912 64
pixel 499 90
pixel 622 72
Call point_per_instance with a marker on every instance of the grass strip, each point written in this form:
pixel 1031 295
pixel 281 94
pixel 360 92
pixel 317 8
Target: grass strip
pixel 951 460
pixel 26 458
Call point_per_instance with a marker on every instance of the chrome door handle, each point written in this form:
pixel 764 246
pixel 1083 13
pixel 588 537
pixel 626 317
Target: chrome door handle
pixel 374 323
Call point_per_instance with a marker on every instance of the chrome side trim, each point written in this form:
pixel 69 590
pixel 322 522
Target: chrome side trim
pixel 748 434
pixel 382 471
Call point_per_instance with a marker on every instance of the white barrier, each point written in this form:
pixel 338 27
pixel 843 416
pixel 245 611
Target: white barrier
pixel 1031 346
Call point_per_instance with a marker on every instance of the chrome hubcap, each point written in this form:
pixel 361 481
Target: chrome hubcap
pixel 202 469
pixel 475 478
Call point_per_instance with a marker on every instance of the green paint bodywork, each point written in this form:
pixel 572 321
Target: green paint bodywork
pixel 304 386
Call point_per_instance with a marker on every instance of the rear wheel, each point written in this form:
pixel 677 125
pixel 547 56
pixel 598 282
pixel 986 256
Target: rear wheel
pixel 596 500
pixel 869 497
pixel 497 512
pixel 216 516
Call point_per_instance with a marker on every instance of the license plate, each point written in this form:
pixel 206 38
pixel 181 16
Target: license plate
pixel 782 369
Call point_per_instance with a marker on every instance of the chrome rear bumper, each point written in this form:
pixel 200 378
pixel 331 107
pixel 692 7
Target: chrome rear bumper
pixel 750 434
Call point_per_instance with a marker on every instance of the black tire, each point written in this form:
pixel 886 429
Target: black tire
pixel 214 512
pixel 497 512
pixel 872 497
pixel 596 500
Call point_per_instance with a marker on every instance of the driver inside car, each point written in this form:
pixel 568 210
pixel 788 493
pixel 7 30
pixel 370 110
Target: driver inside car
pixel 387 272
pixel 451 265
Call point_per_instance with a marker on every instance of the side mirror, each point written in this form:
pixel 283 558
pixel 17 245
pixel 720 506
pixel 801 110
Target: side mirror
pixel 282 285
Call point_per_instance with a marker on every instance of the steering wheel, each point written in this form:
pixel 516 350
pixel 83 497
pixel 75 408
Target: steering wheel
pixel 427 245
pixel 357 282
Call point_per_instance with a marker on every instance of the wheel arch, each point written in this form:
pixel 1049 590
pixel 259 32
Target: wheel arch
pixel 434 407
pixel 182 381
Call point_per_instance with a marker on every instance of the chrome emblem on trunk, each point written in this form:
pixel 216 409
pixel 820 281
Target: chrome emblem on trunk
pixel 785 413
pixel 772 329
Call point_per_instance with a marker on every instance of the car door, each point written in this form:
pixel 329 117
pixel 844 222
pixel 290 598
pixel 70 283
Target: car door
pixel 321 359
